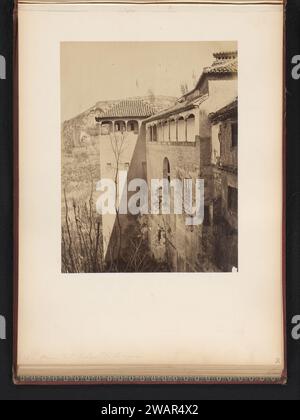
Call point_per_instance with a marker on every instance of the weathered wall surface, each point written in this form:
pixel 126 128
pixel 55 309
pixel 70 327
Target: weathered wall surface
pixel 213 245
pixel 228 153
pixel 131 157
pixel 169 237
pixel 225 176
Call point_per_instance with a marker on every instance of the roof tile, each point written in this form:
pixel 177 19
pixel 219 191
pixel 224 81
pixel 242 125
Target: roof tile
pixel 130 108
pixel 222 67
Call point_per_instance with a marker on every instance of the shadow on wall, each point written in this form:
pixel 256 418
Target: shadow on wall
pixel 128 250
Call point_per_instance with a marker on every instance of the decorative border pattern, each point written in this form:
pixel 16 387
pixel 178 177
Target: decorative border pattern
pixel 113 379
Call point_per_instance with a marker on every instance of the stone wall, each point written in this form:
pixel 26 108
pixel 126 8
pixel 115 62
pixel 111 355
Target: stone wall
pixel 170 238
pixel 132 159
pixel 225 177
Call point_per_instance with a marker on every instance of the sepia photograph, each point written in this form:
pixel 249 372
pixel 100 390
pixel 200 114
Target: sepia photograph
pixel 149 194
pixel 149 157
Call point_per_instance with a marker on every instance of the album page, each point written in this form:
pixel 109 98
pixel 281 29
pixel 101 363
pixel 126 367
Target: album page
pixel 150 190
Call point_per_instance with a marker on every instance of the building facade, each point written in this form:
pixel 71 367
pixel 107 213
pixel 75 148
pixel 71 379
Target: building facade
pixel 180 145
pixel 196 138
pixel 122 148
pixel 225 131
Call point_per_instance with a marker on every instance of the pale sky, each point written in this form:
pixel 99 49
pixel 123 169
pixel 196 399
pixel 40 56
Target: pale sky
pixel 99 71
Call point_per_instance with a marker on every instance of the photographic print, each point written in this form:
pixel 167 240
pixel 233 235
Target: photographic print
pixel 149 157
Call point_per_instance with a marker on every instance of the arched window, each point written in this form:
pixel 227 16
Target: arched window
pixel 120 126
pixel 181 129
pixel 160 132
pixel 133 126
pixel 154 133
pixel 190 128
pixel 166 169
pixel 106 127
pixel 173 133
pixel 166 131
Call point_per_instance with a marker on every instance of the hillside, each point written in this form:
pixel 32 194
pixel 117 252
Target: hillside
pixel 74 129
pixel 80 171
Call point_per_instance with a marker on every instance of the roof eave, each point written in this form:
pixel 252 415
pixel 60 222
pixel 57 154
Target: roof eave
pixel 123 117
pixel 170 113
pixel 224 113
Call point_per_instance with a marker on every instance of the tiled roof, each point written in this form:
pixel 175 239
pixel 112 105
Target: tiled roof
pixel 225 63
pixel 223 67
pixel 178 107
pixel 129 108
pixel 225 112
pixel 225 55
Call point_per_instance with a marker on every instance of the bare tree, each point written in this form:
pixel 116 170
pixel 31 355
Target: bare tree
pixel 117 141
